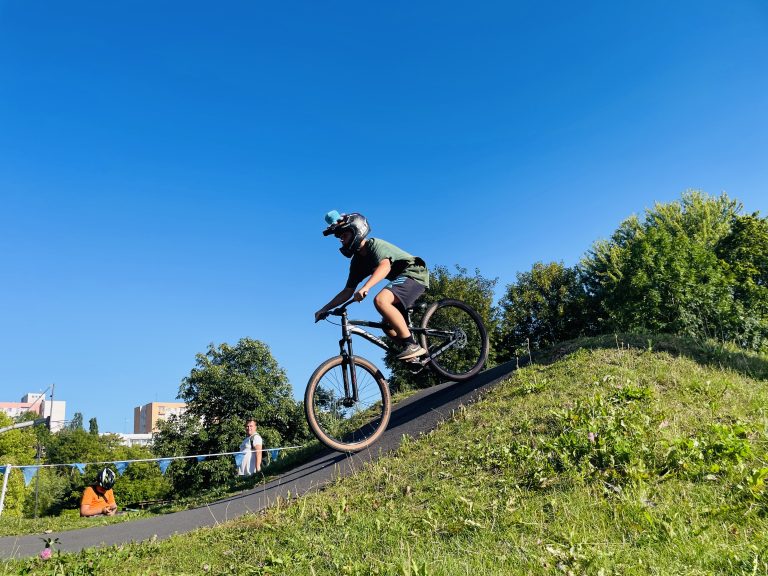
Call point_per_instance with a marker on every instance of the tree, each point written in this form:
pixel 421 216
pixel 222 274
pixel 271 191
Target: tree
pixel 744 253
pixel 67 446
pixel 229 385
pixel 61 487
pixel 475 290
pixel 75 445
pixel 17 448
pixel 181 435
pixel 680 270
pixel 545 305
pixel 49 493
pixel 141 481
pixel 93 427
pixel 77 421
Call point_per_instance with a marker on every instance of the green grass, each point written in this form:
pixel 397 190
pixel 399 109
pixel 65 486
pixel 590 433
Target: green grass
pixel 618 457
pixel 69 520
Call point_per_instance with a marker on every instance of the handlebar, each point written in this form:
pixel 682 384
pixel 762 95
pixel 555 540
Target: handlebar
pixel 337 311
pixel 340 310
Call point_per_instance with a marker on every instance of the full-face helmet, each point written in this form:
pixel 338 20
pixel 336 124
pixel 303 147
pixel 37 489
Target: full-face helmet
pixel 106 478
pixel 354 222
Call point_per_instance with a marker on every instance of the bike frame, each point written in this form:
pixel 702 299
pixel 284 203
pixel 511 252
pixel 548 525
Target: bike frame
pixel 353 327
pixel 349 409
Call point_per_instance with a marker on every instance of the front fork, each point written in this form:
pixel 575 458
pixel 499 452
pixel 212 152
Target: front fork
pixel 348 371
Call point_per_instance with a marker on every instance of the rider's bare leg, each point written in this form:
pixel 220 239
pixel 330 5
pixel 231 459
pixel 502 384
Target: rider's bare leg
pixel 385 302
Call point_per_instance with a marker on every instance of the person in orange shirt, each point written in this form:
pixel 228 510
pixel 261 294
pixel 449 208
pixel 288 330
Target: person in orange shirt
pixel 98 499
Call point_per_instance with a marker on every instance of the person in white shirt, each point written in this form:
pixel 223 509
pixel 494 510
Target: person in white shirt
pixel 251 448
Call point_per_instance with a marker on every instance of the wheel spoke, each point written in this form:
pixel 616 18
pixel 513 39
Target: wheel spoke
pixel 456 339
pixel 342 420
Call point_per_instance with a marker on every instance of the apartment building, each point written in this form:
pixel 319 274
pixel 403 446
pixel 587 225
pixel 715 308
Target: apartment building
pixel 145 418
pixel 40 405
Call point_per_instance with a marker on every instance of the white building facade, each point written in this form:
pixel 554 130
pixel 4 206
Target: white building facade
pixel 40 405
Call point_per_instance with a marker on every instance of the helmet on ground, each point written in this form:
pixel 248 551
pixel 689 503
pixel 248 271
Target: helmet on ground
pixel 106 478
pixel 355 223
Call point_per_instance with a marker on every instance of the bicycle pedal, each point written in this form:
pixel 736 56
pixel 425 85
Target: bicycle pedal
pixel 413 365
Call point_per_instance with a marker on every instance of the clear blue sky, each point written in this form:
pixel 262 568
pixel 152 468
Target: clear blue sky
pixel 165 166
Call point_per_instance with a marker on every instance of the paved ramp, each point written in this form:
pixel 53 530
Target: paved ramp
pixel 412 417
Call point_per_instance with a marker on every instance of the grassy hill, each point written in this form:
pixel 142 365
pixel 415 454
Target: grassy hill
pixel 608 456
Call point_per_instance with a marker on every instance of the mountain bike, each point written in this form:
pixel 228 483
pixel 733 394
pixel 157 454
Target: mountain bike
pixel 347 402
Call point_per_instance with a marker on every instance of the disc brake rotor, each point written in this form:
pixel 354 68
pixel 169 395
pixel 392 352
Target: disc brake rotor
pixel 459 338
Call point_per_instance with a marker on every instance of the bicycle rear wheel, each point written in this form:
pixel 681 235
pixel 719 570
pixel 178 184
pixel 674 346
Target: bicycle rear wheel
pixel 339 421
pixel 456 339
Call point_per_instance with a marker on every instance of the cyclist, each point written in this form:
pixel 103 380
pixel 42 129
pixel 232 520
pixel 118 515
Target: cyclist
pixel 377 259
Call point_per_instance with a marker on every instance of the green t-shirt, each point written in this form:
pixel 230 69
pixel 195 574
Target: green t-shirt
pixel 403 264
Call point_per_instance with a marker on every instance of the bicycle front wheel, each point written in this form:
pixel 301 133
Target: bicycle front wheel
pixel 455 337
pixel 339 419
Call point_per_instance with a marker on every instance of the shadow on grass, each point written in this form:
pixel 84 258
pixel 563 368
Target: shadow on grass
pixel 706 352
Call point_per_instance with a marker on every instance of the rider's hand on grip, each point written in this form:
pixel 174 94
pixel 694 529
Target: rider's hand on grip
pixel 320 316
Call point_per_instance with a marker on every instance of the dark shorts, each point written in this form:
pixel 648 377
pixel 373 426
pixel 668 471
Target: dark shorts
pixel 406 290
